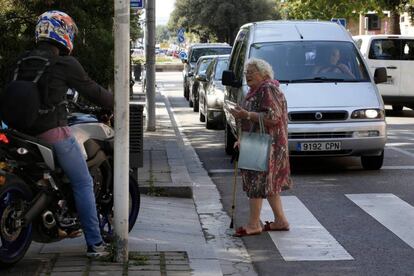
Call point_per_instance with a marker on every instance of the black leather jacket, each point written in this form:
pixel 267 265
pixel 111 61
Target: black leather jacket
pixel 66 72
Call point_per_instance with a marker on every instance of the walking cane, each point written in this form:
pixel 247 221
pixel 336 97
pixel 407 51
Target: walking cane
pixel 234 160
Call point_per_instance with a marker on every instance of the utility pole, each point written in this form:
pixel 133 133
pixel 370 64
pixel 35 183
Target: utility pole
pixel 121 147
pixel 150 63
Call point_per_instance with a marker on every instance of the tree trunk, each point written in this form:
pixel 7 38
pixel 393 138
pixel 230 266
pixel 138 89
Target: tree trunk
pixel 394 26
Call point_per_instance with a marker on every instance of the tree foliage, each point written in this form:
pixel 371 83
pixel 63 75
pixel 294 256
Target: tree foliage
pixel 327 9
pixel 219 20
pixel 162 34
pixel 94 44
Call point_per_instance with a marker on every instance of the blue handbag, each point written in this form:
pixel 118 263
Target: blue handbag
pixel 255 149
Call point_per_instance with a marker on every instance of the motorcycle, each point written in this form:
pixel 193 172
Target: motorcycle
pixel 36 200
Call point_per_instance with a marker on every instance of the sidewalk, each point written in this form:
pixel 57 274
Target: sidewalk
pixel 181 229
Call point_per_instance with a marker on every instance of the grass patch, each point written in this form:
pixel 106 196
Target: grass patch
pixel 137 259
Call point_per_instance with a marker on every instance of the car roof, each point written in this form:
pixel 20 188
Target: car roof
pixel 210 45
pixel 296 30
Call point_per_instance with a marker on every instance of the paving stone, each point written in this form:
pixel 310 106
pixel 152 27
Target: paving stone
pixel 176 267
pixel 178 273
pixel 144 273
pixel 66 274
pixel 104 273
pixel 71 262
pixel 144 268
pixel 68 268
pixel 106 267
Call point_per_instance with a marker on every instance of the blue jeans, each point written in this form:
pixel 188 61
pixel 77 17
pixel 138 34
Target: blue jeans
pixel 71 160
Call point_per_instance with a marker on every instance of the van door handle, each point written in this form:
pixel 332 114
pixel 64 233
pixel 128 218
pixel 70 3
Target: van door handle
pixel 391 67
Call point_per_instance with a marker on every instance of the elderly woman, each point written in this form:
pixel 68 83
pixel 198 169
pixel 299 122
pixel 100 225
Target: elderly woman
pixel 265 97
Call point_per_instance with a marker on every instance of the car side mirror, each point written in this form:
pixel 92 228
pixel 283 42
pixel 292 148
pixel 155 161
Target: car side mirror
pixel 380 75
pixel 201 77
pixel 229 78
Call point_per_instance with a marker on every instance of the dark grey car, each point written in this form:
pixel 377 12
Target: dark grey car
pixel 194 84
pixel 211 92
pixel 194 52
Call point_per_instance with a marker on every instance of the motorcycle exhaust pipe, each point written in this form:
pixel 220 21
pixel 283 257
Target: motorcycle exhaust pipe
pixel 40 204
pixel 48 219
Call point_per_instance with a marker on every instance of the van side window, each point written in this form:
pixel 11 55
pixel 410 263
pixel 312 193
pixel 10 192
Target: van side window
pixel 386 49
pixel 358 43
pixel 234 57
pixel 239 68
pixel 408 49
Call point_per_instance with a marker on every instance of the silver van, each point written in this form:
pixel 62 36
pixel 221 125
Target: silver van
pixel 333 103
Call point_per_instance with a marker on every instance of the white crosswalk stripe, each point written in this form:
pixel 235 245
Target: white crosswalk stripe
pixel 307 239
pixel 389 210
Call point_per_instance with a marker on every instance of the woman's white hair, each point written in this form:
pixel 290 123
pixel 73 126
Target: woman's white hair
pixel 264 68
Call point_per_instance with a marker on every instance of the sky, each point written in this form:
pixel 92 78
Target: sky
pixel 163 8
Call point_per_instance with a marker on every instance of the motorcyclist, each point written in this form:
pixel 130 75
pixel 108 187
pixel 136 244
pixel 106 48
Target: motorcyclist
pixel 55 32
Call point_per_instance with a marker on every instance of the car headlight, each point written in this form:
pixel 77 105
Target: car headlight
pixel 368 114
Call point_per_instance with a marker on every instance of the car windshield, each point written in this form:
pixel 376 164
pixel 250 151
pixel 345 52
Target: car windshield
pixel 198 52
pixel 312 61
pixel 222 64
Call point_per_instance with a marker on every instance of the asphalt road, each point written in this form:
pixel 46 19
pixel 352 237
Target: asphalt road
pixel 344 220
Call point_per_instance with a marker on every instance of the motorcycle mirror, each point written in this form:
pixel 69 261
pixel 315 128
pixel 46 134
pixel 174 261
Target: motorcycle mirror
pixel 72 95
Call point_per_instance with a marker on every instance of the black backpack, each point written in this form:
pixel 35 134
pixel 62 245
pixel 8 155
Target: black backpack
pixel 22 102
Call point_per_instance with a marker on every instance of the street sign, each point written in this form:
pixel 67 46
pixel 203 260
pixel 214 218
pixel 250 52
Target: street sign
pixel 137 4
pixel 183 55
pixel 180 35
pixel 340 21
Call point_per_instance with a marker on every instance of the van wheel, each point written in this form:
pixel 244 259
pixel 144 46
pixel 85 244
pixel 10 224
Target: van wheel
pixel 229 140
pixel 372 162
pixel 397 108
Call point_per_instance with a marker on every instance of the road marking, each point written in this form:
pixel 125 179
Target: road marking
pixel 403 151
pixel 307 239
pixel 397 168
pixel 221 171
pixel 389 210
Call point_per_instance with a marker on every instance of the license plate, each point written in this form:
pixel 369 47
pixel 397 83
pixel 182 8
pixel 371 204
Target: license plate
pixel 318 146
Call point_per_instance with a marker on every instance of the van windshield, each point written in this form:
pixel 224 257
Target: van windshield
pixel 312 61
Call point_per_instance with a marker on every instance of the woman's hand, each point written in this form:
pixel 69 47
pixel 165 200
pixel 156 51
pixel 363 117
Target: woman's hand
pixel 239 113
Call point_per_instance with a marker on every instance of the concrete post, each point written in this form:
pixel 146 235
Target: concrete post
pixel 121 151
pixel 150 63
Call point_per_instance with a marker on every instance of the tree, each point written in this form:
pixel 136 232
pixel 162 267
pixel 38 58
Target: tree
pixel 162 34
pixel 94 44
pixel 219 20
pixel 327 9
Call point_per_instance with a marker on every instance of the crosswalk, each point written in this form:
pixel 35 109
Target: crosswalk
pixel 308 240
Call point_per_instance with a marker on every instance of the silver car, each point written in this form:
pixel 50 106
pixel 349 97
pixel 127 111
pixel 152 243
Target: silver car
pixel 211 92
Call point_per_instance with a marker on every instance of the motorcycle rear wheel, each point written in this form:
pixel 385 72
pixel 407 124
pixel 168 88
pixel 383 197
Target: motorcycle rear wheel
pixel 14 239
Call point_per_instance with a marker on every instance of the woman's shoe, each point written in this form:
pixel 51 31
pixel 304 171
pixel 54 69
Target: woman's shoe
pixel 279 226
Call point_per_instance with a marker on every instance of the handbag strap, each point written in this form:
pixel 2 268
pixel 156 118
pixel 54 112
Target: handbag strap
pixel 261 123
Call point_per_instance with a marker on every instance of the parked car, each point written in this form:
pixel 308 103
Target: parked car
pixel 396 53
pixel 331 112
pixel 194 84
pixel 211 92
pixel 194 52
